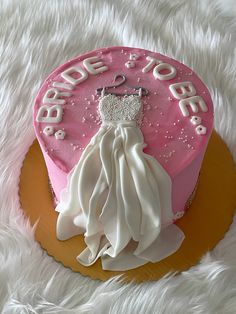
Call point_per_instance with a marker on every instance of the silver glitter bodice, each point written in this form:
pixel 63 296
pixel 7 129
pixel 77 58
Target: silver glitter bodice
pixel 116 108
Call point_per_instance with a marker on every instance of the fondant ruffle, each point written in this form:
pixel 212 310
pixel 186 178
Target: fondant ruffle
pixel 120 198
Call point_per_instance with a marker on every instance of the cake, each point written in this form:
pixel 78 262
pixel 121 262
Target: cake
pixel 123 132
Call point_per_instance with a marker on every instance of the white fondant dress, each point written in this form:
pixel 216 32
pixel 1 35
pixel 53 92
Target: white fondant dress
pixel 118 196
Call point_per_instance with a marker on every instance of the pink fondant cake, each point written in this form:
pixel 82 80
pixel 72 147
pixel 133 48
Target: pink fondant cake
pixel 123 132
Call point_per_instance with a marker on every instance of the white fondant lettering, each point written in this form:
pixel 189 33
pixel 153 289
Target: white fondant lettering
pixel 67 75
pixel 63 85
pixel 151 63
pixel 193 102
pixel 50 114
pixel 159 66
pixel 52 96
pixel 94 66
pixel 182 90
pixel 167 76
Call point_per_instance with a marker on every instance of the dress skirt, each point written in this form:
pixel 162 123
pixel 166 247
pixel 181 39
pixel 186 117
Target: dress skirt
pixel 120 198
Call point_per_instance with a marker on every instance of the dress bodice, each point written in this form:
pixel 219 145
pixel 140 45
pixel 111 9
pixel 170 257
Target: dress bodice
pixel 116 108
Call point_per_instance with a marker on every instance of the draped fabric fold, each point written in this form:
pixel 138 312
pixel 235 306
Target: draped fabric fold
pixel 120 198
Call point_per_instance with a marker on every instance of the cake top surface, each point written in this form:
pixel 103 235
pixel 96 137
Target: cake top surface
pixel 177 111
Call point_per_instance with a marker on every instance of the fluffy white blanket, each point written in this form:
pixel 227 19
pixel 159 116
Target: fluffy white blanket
pixel 35 37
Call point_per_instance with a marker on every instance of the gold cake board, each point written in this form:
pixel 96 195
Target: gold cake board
pixel 204 224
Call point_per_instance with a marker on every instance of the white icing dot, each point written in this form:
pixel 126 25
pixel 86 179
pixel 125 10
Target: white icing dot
pixel 48 130
pixel 83 134
pixel 133 56
pixel 130 64
pixel 195 120
pixel 60 135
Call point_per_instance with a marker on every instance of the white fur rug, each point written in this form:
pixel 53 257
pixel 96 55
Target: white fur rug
pixel 37 36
